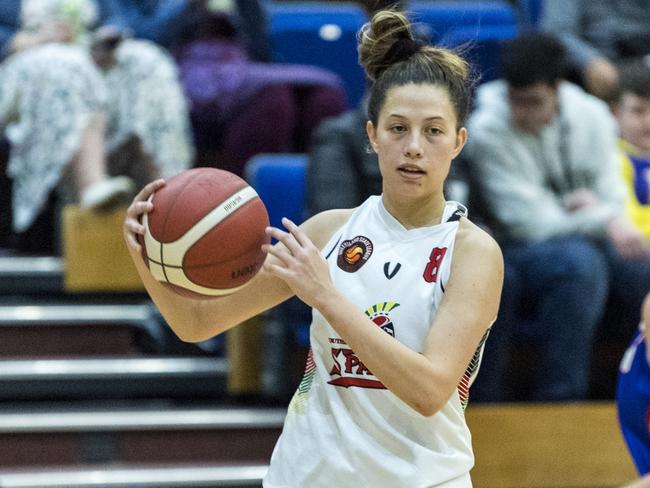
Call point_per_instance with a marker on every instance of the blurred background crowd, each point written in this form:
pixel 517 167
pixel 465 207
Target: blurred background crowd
pixel 97 97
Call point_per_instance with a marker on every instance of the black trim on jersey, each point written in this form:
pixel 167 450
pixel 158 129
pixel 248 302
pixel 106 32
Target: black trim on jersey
pixel 335 246
pixel 455 217
pixel 442 286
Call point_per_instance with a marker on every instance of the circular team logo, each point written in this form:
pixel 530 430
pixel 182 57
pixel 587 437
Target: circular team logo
pixel 354 253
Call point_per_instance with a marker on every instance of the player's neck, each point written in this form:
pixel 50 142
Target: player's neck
pixel 414 213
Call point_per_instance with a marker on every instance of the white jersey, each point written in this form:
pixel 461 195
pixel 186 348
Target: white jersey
pixel 344 428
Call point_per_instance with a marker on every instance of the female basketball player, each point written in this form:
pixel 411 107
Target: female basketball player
pixel 404 289
pixel 633 394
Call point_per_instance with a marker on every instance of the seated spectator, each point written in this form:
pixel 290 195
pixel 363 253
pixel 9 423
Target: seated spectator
pixel 342 170
pixel 544 162
pixel 598 34
pixel 632 111
pixel 92 104
pixel 235 91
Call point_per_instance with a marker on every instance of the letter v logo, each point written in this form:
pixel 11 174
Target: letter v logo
pixel 389 274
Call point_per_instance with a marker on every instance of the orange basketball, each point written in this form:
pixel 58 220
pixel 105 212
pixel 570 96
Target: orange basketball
pixel 205 233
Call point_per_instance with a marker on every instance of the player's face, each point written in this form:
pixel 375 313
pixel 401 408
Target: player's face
pixel 533 107
pixel 633 115
pixel 416 139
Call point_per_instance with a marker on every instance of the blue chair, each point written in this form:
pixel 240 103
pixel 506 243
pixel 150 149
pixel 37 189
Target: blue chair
pixel 531 12
pixel 481 26
pixel 322 34
pixel 280 181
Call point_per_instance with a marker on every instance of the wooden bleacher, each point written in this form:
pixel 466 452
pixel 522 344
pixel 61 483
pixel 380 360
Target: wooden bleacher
pixel 516 446
pixel 565 445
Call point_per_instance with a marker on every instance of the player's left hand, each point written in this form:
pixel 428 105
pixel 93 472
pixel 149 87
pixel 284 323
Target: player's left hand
pixel 299 263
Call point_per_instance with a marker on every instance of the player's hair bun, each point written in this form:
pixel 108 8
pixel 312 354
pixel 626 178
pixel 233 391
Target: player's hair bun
pixel 384 40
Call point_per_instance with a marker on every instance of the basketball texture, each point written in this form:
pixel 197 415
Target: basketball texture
pixel 204 235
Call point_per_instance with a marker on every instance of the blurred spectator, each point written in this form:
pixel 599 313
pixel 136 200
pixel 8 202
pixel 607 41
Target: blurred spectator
pixel 154 20
pixel 543 161
pixel 342 170
pixel 598 34
pixel 632 111
pixel 242 104
pixel 78 106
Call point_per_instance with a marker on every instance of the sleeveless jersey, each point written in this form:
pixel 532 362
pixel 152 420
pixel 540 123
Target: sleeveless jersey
pixel 633 402
pixel 344 428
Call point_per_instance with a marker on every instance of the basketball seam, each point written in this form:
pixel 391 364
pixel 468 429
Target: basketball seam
pixel 162 260
pixel 169 271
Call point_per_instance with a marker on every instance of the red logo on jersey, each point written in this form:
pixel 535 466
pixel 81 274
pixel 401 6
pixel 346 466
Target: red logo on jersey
pixel 430 274
pixel 354 253
pixel 348 370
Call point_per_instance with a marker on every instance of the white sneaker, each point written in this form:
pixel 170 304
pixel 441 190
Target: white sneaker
pixel 107 193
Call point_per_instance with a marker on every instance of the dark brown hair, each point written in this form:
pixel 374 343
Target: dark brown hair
pixel 634 78
pixel 392 56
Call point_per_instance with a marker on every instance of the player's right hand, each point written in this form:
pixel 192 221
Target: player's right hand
pixel 139 206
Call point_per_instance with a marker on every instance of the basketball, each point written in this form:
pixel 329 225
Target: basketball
pixel 204 235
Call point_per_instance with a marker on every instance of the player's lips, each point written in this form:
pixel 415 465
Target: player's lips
pixel 411 171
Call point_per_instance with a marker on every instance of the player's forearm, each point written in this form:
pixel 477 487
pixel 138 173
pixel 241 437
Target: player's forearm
pixel 180 313
pixel 406 373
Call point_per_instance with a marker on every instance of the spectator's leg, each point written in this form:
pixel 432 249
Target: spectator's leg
pixel 492 383
pixel 568 280
pixel 88 165
pixel 630 280
pixel 146 104
pixel 630 284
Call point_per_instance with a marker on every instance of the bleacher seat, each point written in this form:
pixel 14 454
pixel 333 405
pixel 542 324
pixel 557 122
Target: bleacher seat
pixel 481 26
pixel 279 179
pixel 322 34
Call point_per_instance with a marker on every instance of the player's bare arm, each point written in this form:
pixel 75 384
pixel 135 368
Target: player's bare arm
pixel 194 320
pixel 468 309
pixel 423 381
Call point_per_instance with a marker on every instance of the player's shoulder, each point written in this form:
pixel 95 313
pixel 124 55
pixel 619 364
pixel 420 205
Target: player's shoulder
pixel 475 243
pixel 322 226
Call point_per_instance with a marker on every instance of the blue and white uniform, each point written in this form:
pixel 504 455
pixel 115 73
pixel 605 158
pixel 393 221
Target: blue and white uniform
pixel 344 428
pixel 633 401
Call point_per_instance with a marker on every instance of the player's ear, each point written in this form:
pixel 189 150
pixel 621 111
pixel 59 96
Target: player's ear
pixel 372 135
pixel 461 140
